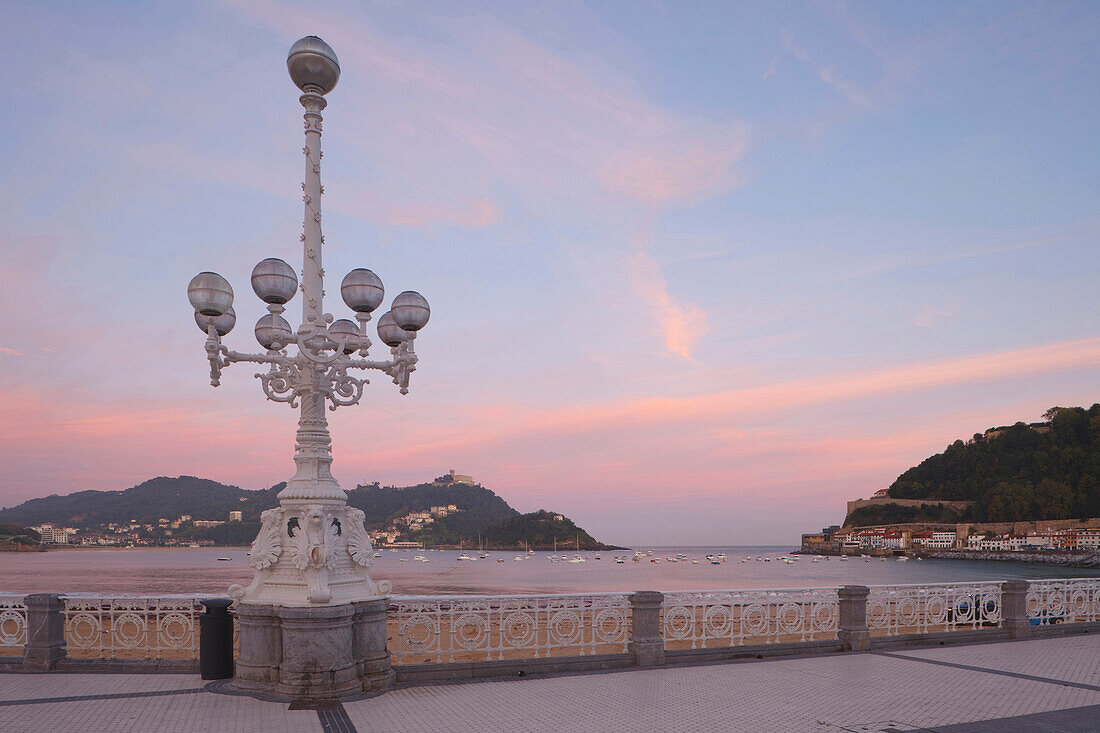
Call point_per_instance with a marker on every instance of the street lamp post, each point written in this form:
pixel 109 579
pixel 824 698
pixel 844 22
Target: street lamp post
pixel 312 551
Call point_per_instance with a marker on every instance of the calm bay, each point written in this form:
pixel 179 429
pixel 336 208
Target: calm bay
pixel 201 571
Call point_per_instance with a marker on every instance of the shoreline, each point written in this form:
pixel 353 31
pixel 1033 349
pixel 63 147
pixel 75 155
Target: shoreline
pixel 1062 559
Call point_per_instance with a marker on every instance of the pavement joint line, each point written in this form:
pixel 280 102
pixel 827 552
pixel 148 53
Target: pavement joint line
pixel 336 720
pixel 1005 673
pixel 114 696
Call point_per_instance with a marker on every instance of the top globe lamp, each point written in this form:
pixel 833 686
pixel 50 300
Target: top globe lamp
pixel 313 65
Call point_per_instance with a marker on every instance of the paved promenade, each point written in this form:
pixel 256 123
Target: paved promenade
pixel 1046 684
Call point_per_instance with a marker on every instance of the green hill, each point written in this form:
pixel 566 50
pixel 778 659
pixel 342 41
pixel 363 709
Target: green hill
pixel 1019 472
pixel 541 530
pixel 146 502
pixel 479 511
pixel 478 508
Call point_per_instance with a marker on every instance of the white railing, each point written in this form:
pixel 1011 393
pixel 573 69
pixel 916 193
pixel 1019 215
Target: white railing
pixel 132 627
pixel 434 629
pixel 893 610
pixel 13 623
pixel 1052 602
pixel 738 617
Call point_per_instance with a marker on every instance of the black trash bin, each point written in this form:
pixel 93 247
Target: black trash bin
pixel 216 639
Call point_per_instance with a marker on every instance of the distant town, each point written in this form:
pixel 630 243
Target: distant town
pixel 973 537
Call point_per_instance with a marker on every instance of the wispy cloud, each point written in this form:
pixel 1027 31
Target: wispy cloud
pixel 827 74
pixel 682 323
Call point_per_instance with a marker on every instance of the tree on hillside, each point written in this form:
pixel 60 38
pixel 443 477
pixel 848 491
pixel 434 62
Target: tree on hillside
pixel 1018 472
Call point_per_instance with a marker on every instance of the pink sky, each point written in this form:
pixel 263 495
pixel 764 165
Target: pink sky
pixel 696 276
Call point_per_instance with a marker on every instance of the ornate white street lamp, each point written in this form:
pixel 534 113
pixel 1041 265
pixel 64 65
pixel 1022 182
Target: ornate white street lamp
pixel 313 549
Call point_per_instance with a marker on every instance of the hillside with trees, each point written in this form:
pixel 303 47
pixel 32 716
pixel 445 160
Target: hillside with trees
pixel 478 512
pixel 541 530
pixel 1018 472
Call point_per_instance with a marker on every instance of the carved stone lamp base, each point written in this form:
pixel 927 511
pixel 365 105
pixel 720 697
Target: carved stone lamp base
pixel 313 653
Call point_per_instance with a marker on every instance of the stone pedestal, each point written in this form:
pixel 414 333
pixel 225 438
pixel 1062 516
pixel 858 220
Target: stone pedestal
pixel 261 647
pixel 852 625
pixel 372 658
pixel 45 645
pixel 313 652
pixel 317 646
pixel 646 643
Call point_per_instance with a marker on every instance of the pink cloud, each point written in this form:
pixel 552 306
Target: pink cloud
pixel 656 175
pixel 682 324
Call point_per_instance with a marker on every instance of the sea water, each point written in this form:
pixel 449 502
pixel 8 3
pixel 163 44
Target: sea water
pixel 202 571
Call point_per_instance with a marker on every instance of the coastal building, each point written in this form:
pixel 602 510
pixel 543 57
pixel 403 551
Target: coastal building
pixel 1039 540
pixel 1088 539
pixel 208 522
pixel 895 539
pixel 920 538
pixel 455 478
pixel 941 540
pixel 235 515
pixel 54 535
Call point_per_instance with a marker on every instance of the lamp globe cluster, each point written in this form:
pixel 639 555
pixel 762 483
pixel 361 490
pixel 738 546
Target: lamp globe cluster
pixel 275 283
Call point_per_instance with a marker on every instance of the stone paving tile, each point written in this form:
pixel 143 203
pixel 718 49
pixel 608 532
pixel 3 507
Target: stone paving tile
pixel 187 713
pixel 856 692
pixel 24 686
pixel 1070 658
pixel 182 713
pixel 837 693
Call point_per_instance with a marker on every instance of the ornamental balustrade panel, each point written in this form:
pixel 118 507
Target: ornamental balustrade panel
pixel 437 629
pixel 893 610
pixel 133 627
pixel 1052 602
pixel 13 624
pixel 704 619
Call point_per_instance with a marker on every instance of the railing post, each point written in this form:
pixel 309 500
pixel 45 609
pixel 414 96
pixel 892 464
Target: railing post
pixel 1014 609
pixel 646 643
pixel 852 625
pixel 45 645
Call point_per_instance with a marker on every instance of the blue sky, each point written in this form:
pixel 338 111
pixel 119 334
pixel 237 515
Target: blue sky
pixel 699 271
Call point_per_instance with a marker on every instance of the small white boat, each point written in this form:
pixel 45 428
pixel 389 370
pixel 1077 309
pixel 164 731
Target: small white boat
pixel 464 556
pixel 902 558
pixel 224 559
